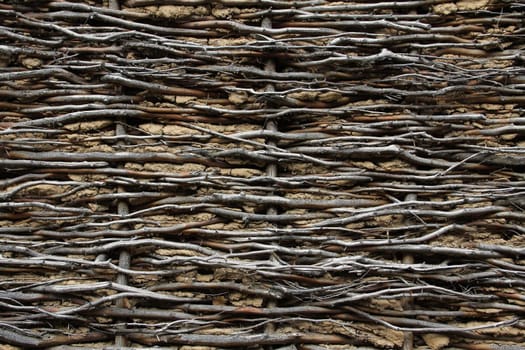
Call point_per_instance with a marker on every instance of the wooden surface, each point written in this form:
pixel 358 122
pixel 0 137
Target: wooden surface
pixel 261 174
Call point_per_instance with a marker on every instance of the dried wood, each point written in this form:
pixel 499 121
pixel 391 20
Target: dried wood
pixel 262 174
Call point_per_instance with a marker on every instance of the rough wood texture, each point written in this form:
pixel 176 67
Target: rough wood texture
pixel 262 174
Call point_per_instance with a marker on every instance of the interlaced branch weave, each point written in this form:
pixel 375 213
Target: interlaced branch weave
pixel 262 174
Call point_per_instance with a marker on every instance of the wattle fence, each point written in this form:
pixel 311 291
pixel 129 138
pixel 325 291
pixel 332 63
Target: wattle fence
pixel 262 174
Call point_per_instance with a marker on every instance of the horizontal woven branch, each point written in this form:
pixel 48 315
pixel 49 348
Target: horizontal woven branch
pixel 262 174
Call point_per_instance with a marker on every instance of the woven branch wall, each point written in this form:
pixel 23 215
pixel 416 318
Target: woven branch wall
pixel 262 174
